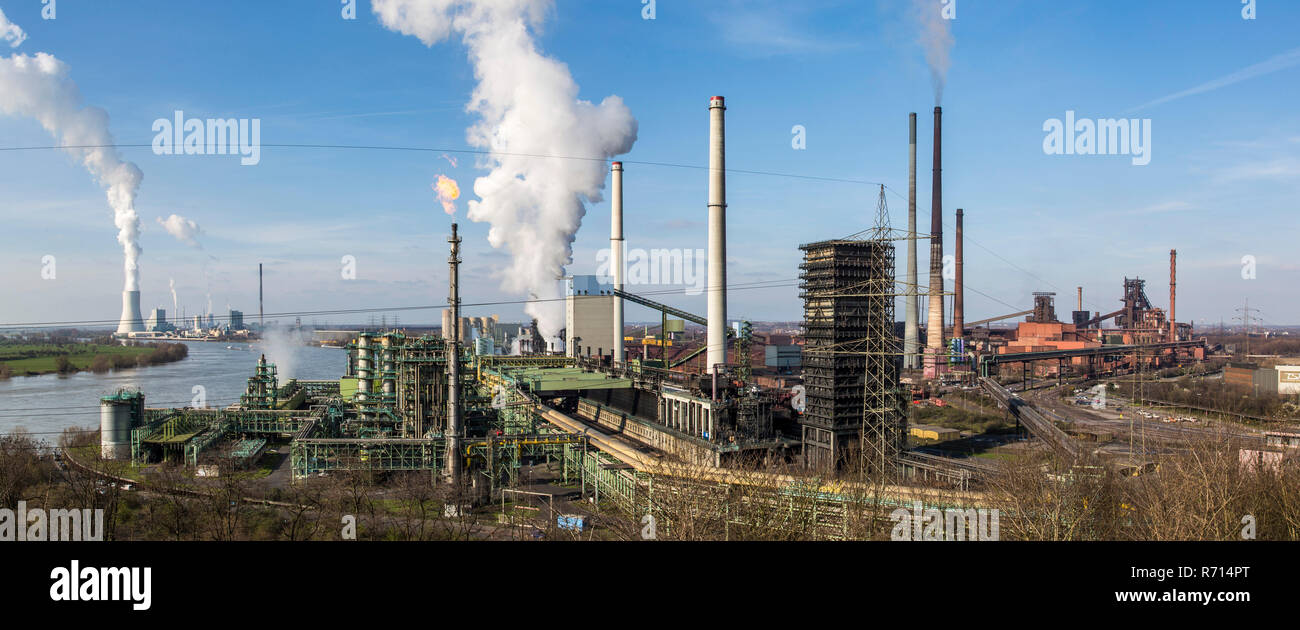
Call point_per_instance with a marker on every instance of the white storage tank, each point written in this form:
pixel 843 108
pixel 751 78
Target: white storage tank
pixel 115 419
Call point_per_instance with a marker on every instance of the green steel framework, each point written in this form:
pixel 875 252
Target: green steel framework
pixel 501 455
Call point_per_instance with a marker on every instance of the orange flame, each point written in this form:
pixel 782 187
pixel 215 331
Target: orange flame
pixel 448 192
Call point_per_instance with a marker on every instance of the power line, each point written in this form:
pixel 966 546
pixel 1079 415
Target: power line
pixel 83 414
pixel 363 147
pixel 175 402
pixel 765 284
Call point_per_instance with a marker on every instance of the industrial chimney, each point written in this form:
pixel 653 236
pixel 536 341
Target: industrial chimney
pixel 616 255
pixel 912 305
pixel 261 323
pixel 934 327
pixel 132 318
pixel 454 427
pixel 717 301
pixel 959 288
pixel 1173 276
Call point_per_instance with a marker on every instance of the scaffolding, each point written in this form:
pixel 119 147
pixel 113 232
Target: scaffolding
pixel 851 352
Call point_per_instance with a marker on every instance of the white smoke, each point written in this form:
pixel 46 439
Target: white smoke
pixel 184 230
pixel 38 86
pixel 527 104
pixel 936 37
pixel 10 32
pixel 284 348
pixel 171 285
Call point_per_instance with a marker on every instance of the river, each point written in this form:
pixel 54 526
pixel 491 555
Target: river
pixel 47 404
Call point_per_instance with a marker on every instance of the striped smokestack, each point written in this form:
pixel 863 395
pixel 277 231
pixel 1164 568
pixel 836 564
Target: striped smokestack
pixel 1173 276
pixel 934 327
pixel 959 288
pixel 912 306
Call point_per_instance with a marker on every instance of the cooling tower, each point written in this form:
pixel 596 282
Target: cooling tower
pixel 132 318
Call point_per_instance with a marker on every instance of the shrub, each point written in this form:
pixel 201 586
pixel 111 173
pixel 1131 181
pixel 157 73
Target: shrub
pixel 100 364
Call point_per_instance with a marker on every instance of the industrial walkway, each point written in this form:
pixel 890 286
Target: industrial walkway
pixel 645 460
pixel 1038 425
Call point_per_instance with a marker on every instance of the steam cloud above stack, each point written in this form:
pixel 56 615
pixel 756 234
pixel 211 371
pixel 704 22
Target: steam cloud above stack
pixel 37 86
pixel 527 105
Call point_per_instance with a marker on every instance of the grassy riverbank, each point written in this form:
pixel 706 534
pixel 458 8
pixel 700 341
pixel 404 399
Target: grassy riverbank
pixel 66 358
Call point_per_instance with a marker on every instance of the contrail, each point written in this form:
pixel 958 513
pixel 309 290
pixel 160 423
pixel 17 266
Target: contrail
pixel 1280 62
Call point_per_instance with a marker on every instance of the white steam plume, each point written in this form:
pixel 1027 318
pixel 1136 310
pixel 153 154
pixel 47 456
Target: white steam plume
pixel 10 32
pixel 284 348
pixel 527 104
pixel 184 230
pixel 38 86
pixel 936 38
pixel 171 285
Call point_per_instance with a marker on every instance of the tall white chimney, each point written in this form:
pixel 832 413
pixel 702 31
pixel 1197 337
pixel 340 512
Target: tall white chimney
pixel 717 301
pixel 132 318
pixel 616 254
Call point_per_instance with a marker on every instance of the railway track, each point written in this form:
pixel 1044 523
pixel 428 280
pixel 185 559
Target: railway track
pixel 1038 424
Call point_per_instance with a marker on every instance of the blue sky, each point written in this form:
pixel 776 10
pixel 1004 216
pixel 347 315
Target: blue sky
pixel 1222 182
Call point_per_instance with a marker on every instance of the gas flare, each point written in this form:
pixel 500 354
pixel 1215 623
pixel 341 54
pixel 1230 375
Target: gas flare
pixel 448 192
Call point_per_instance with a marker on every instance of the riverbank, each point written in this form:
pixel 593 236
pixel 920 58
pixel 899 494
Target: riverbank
pixel 38 359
